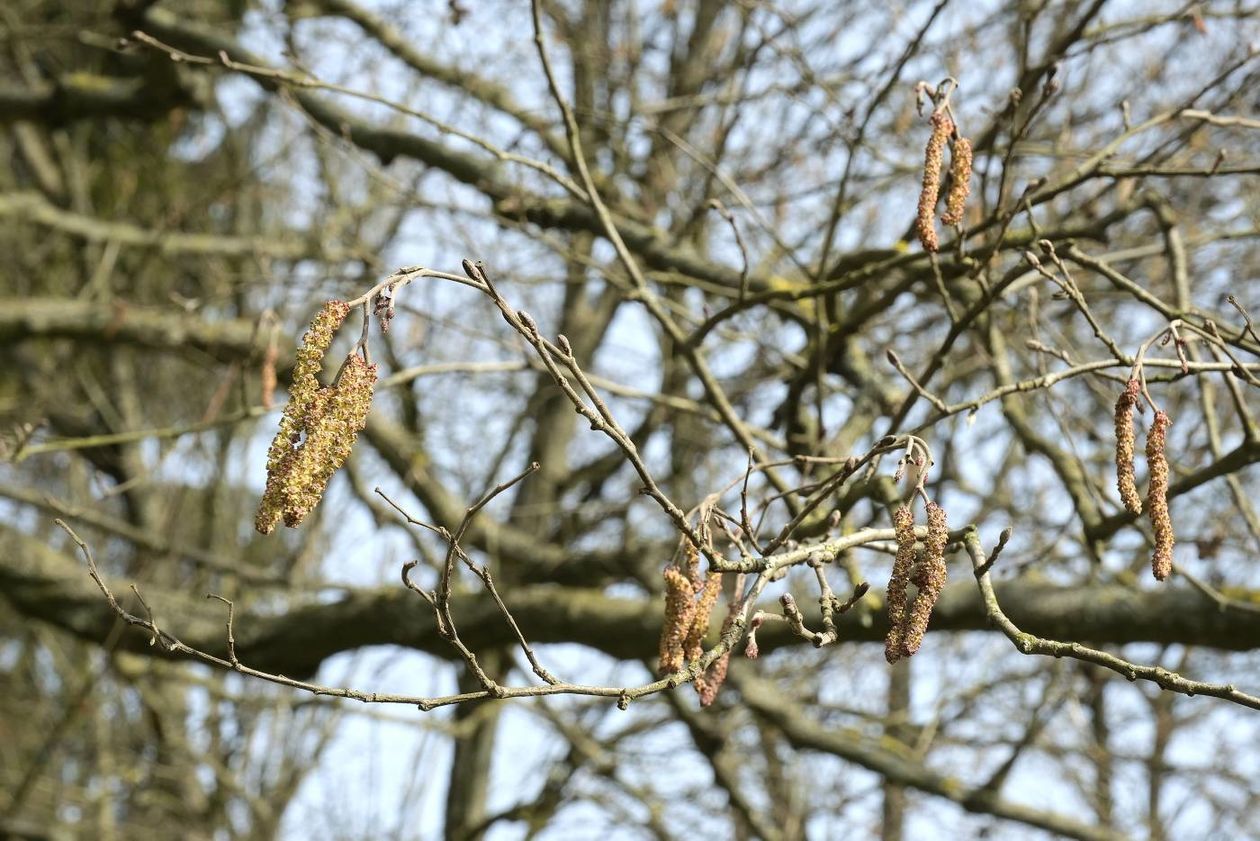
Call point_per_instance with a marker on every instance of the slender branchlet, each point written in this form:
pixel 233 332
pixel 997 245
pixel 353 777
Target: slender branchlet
pixel 925 223
pixel 1125 481
pixel 294 423
pixel 930 579
pixel 960 182
pixel 1157 496
pixel 903 523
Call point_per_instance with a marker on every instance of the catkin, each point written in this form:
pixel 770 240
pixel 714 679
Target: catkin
pixel 1125 481
pixel 903 524
pixel 294 420
pixel 1157 496
pixel 930 579
pixel 336 416
pixel 694 644
pixel 960 182
pixel 925 223
pixel 710 681
pixel 680 606
pixel 267 375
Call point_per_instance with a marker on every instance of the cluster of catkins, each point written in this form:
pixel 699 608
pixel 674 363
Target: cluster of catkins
pixel 908 622
pixel 319 425
pixel 689 603
pixel 960 180
pixel 1157 481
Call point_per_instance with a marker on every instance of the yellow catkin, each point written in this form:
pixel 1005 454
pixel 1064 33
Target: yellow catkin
pixel 335 419
pixel 1157 496
pixel 925 224
pixel 903 524
pixel 1125 481
pixel 293 423
pixel 960 182
pixel 930 579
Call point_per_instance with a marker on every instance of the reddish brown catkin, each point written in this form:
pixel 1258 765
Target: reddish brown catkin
pixel 1125 481
pixel 930 579
pixel 1157 496
pixel 925 223
pixel 903 524
pixel 960 182
pixel 710 681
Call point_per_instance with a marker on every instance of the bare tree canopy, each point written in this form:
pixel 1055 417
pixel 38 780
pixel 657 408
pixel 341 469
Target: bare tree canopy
pixel 580 418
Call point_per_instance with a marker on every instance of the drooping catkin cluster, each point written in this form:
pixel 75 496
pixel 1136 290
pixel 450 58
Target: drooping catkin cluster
pixel 925 223
pixel 907 623
pixel 1157 496
pixel 682 584
pixel 680 606
pixel 1126 482
pixel 929 578
pixel 1157 475
pixel 318 428
pixel 960 182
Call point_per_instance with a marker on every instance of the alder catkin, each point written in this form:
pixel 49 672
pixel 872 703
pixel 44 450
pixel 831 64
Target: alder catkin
pixel 267 375
pixel 960 182
pixel 925 223
pixel 1125 481
pixel 679 608
pixel 903 524
pixel 930 579
pixel 294 421
pixel 1157 496
pixel 334 420
pixel 708 682
pixel 694 645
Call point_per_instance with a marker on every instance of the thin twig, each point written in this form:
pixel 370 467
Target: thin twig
pixel 1027 643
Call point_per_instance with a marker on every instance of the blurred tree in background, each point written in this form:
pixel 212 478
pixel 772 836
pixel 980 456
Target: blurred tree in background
pixel 715 204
